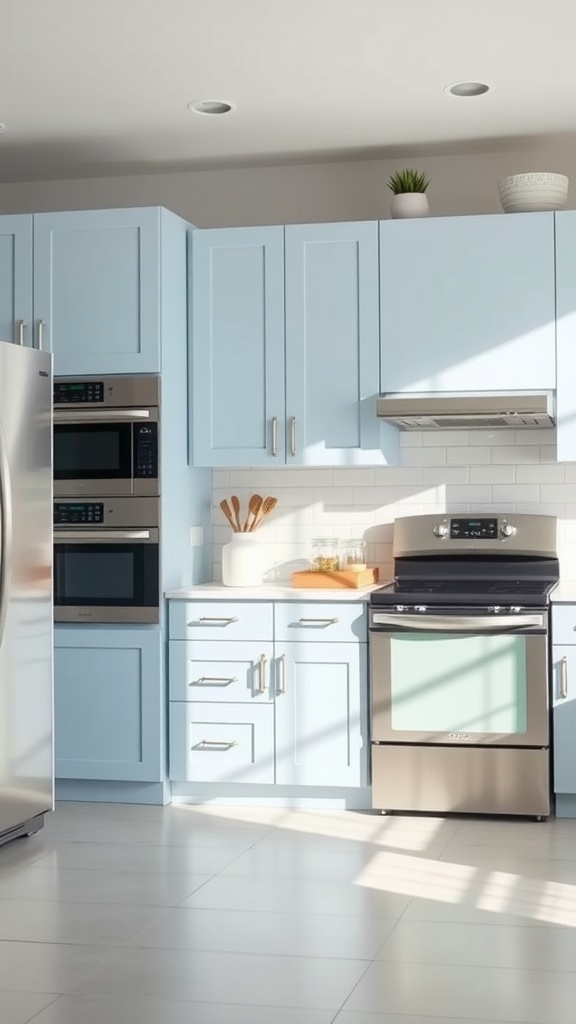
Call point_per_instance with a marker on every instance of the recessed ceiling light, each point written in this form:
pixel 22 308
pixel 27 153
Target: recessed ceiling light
pixel 467 89
pixel 210 107
pixel 3 127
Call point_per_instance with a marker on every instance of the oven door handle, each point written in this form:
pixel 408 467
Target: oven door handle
pixel 101 535
pixel 459 623
pixel 99 415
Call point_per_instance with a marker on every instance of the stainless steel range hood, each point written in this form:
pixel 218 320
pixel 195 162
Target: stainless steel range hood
pixel 468 410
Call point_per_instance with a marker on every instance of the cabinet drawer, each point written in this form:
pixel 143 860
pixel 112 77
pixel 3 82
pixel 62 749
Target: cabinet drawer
pixel 564 624
pixel 311 620
pixel 221 620
pixel 201 670
pixel 221 743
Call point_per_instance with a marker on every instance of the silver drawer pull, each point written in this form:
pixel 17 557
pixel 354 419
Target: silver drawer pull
pixel 564 678
pixel 318 622
pixel 214 681
pixel 262 669
pixel 217 619
pixel 215 745
pixel 281 688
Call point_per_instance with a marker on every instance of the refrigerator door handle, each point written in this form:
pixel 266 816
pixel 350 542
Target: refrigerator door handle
pixel 5 532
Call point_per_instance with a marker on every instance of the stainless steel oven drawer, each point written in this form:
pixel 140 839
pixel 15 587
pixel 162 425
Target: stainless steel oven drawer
pixel 467 780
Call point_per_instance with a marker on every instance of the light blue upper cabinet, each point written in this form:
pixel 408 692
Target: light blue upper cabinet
pixel 16 279
pixel 332 344
pixel 467 303
pixel 566 335
pixel 237 331
pixel 97 290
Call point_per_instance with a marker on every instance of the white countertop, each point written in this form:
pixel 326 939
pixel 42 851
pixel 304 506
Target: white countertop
pixel 564 593
pixel 269 592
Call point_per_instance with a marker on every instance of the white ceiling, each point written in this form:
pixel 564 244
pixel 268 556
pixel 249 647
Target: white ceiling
pixel 100 87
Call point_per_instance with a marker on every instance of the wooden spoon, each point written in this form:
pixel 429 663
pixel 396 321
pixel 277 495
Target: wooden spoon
pixel 267 505
pixel 226 510
pixel 236 507
pixel 254 506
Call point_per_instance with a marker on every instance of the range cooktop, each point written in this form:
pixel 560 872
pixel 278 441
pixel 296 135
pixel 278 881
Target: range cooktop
pixel 533 593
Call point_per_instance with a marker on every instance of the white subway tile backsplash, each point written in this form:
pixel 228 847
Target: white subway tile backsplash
pixel 467 456
pixel 499 471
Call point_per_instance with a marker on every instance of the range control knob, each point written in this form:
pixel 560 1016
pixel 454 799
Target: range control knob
pixel 508 530
pixel 441 530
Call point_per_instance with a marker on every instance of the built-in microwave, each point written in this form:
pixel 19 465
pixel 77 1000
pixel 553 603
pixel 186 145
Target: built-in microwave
pixel 106 560
pixel 106 436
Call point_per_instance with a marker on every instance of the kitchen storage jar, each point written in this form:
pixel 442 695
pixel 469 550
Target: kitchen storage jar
pixel 325 554
pixel 353 555
pixel 242 561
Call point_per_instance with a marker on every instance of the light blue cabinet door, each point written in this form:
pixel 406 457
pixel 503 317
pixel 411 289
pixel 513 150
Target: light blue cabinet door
pixel 16 279
pixel 467 303
pixel 566 335
pixel 109 704
pixel 97 290
pixel 332 344
pixel 564 717
pixel 321 718
pixel 237 335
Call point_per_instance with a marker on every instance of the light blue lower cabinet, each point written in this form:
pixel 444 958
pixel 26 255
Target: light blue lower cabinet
pixel 109 704
pixel 221 742
pixel 321 714
pixel 564 724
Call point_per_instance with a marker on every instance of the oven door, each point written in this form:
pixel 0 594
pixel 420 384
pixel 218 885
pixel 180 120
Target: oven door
pixel 106 576
pixel 95 452
pixel 462 679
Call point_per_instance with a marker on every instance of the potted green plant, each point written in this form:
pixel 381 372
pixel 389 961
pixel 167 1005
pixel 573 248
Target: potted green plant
pixel 409 197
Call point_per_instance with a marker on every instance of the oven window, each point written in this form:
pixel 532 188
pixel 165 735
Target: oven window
pixel 92 451
pixel 458 683
pixel 101 575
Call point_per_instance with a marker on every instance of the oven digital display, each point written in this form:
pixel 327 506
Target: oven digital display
pixel 78 512
pixel 473 529
pixel 73 392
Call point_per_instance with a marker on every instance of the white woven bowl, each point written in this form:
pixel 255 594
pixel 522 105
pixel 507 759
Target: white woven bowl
pixel 538 190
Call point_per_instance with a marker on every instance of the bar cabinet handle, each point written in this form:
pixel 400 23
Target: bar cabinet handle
pixel 325 622
pixel 262 670
pixel 213 681
pixel 293 436
pixel 20 326
pixel 274 435
pixel 564 678
pixel 281 688
pixel 222 619
pixel 215 745
pixel 41 335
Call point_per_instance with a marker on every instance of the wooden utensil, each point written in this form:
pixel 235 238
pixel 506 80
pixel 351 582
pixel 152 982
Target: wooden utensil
pixel 254 506
pixel 226 510
pixel 267 505
pixel 236 509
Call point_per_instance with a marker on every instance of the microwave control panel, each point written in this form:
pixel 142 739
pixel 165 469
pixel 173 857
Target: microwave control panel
pixel 146 450
pixel 75 512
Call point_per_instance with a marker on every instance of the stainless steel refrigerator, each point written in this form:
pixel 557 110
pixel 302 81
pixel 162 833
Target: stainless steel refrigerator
pixel 26 675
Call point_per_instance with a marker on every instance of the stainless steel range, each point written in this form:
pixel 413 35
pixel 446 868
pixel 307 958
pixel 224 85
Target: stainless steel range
pixel 459 666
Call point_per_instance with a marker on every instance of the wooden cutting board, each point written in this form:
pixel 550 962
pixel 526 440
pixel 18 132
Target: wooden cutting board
pixel 340 580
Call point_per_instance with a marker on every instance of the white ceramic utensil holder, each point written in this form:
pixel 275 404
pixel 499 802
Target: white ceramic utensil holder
pixel 242 561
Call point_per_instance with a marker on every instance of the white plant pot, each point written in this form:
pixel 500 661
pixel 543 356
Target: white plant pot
pixel 533 192
pixel 242 561
pixel 409 204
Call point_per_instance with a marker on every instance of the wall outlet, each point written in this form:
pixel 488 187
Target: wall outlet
pixel 196 536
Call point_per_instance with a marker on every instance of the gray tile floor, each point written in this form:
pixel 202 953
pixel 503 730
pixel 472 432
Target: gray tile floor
pixel 120 914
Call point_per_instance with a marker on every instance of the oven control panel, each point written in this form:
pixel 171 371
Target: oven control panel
pixel 473 529
pixel 82 391
pixel 74 512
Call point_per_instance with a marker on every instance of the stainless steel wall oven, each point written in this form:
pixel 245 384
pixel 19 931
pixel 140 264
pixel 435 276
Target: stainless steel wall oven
pixel 459 655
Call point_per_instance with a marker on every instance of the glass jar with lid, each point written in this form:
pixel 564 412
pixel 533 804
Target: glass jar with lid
pixel 325 554
pixel 353 555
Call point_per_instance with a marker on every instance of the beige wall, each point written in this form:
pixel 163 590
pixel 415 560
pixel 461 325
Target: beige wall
pixel 298 193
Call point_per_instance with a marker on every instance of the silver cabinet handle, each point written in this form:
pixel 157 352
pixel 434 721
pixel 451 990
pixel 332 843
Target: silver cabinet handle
pixel 220 620
pixel 20 326
pixel 214 681
pixel 262 670
pixel 215 745
pixel 318 622
pixel 281 688
pixel 274 435
pixel 564 678
pixel 41 335
pixel 293 435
